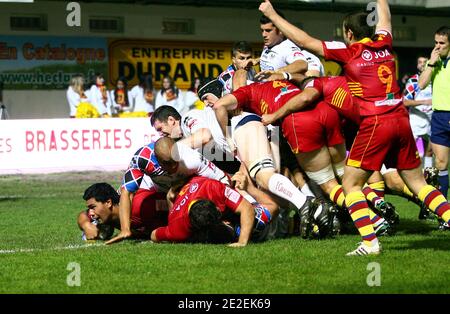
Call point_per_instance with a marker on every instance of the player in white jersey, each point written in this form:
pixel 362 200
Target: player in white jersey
pixel 418 102
pixel 200 130
pixel 242 59
pixel 281 54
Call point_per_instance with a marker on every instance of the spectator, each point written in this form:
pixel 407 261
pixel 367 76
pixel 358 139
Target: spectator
pixel 120 96
pixel 100 97
pixel 170 95
pixel 437 72
pixel 76 94
pixel 191 100
pixel 143 95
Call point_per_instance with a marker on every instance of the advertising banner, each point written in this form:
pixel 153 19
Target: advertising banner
pixel 59 145
pixel 183 61
pixel 44 62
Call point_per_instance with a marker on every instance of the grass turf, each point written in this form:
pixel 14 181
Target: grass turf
pixel 37 216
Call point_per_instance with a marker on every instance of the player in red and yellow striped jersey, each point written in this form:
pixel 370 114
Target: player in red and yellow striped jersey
pixel 385 134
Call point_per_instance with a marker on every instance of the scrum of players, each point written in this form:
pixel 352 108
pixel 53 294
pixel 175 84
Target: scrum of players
pixel 283 152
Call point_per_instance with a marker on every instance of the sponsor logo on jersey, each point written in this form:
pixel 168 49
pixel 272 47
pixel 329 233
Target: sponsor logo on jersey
pixel 374 55
pixel 232 195
pixel 366 55
pixel 193 188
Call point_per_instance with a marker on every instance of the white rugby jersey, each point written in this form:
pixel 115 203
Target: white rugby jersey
pixel 286 53
pixel 196 119
pixel 226 78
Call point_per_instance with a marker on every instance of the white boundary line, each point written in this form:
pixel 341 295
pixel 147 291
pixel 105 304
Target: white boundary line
pixel 61 248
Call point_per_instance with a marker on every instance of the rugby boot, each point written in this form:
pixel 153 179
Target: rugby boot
pixel 306 217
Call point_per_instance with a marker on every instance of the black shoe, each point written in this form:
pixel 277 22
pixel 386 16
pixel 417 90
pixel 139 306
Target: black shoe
pixel 426 214
pixel 323 217
pixel 431 175
pixel 384 229
pixel 305 213
pixel 388 212
pixel 443 226
pixel 337 227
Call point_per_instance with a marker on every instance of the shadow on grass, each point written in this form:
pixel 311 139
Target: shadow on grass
pixel 10 198
pixel 439 243
pixel 416 226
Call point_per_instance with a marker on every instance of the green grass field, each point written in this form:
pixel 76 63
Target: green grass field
pixel 39 238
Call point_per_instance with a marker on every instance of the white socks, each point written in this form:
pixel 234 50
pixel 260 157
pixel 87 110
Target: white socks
pixel 427 162
pixel 284 188
pixel 306 190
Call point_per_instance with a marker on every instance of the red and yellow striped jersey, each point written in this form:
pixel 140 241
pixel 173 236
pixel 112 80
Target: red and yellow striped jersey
pixel 369 67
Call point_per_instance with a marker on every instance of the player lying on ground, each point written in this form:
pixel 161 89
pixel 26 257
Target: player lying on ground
pixel 144 163
pixel 148 211
pixel 206 210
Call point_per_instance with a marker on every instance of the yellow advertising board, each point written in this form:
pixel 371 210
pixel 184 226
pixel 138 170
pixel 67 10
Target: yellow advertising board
pixel 183 61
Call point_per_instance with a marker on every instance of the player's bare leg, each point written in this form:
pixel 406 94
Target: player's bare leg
pixel 254 150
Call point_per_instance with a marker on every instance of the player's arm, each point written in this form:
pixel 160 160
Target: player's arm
pixel 197 164
pixel 298 36
pixel 410 92
pixel 221 107
pixel 427 74
pixel 124 216
pixel 228 101
pixel 84 223
pixel 269 75
pixel 296 103
pixel 245 185
pixel 414 103
pixel 296 67
pixel 247 218
pixel 239 78
pixel 198 139
pixel 153 236
pixel 174 190
pixel 384 16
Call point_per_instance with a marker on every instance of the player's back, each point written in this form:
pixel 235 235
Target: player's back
pixel 198 188
pixel 266 97
pixel 369 66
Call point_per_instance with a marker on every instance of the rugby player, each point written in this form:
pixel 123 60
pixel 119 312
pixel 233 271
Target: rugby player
pixel 385 134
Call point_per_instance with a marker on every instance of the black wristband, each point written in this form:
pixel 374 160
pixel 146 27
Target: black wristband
pixel 431 65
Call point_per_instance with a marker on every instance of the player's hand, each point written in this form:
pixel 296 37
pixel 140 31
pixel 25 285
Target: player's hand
pixel 232 146
pixel 268 118
pixel 434 56
pixel 240 180
pixel 266 8
pixel 123 235
pixel 91 231
pixel 237 244
pixel 427 102
pixel 244 64
pixel 268 75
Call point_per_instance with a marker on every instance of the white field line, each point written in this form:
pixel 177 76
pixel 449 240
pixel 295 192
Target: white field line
pixel 58 248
